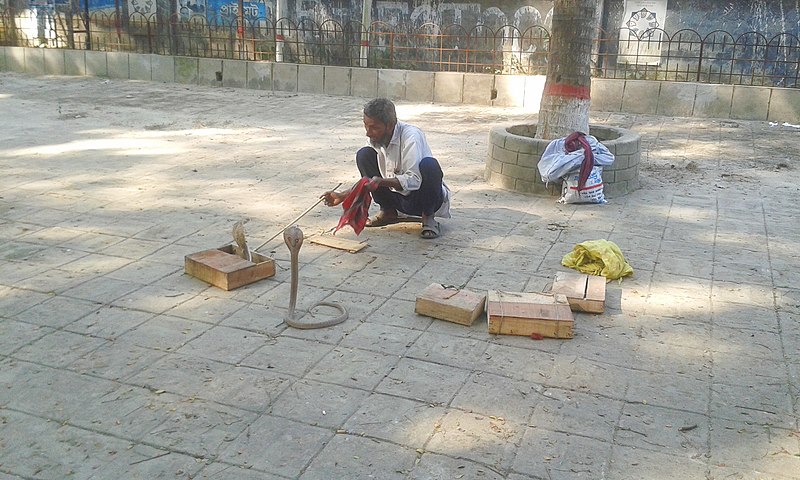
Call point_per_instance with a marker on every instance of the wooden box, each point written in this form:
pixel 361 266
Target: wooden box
pixel 450 303
pixel 224 268
pixel 585 293
pixel 512 313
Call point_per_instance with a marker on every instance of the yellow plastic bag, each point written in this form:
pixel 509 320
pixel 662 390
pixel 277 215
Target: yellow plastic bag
pixel 598 257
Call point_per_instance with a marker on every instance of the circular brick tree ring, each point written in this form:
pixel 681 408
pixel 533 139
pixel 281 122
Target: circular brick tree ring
pixel 514 156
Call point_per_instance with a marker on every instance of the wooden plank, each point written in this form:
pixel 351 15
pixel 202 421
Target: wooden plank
pixel 449 303
pixel 585 293
pixel 224 268
pixel 514 313
pixel 351 246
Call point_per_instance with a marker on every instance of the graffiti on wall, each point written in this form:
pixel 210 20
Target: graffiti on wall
pixel 142 7
pixel 643 26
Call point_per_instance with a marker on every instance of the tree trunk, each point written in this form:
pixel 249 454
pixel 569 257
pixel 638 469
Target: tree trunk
pixel 567 89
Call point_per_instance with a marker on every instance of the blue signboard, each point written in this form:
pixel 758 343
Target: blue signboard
pixel 228 10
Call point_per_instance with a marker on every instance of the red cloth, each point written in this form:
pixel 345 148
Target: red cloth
pixel 575 141
pixel 356 207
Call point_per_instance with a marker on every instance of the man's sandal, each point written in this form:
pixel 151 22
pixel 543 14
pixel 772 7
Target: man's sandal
pixel 380 219
pixel 430 231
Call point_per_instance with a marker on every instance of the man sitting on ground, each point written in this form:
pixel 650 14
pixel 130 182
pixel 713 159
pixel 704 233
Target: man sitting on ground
pixel 404 176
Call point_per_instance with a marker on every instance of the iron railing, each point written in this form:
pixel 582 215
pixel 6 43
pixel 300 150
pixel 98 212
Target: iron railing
pixel 686 55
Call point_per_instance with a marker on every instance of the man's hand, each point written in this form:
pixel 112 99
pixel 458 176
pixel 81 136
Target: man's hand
pixel 374 183
pixel 333 198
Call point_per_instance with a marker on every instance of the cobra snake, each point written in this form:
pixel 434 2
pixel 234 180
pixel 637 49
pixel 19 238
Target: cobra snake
pixel 293 237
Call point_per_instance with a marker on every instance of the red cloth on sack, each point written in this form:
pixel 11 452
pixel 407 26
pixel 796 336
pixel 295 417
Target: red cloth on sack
pixel 356 207
pixel 575 141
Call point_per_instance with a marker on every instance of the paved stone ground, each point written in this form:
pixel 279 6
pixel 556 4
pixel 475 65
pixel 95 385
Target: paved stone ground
pixel 114 364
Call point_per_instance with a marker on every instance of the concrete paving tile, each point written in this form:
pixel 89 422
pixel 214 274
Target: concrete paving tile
pixel 434 466
pixel 48 392
pixel 206 308
pixel 619 350
pixel 488 278
pixel 628 463
pixel 125 412
pixel 58 311
pixel 687 267
pixel 423 381
pixel 144 272
pixel 722 472
pixel 461 352
pixel 12 229
pixel 21 251
pixel 219 470
pixel 224 344
pixel 149 298
pixel 747 343
pixel 681 332
pixel 378 284
pixel 661 302
pixel 318 404
pixel 481 391
pixel 115 362
pixel 394 419
pixel 558 455
pixel 661 357
pixel 241 387
pixel 143 461
pixel 263 319
pixel 108 322
pixel 682 392
pixel 351 367
pixel 133 248
pixel 768 404
pixel 394 312
pixel 39 448
pixel 349 456
pixel 91 242
pixel 745 317
pixel 788 299
pixel 736 272
pixel 588 376
pixel 52 236
pixel 163 333
pixel 486 440
pixel 519 363
pixel 381 338
pixel 745 447
pixel 663 430
pixel 15 335
pixel 277 445
pixel 94 264
pixel 18 272
pixel 102 290
pixel 202 429
pixel 59 348
pixel 577 413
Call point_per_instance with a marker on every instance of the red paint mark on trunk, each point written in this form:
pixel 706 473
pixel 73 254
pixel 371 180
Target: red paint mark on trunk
pixel 571 91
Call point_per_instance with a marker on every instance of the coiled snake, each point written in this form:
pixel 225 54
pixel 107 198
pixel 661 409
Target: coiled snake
pixel 293 237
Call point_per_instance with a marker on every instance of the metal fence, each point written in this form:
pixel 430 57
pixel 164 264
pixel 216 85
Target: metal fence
pixel 686 55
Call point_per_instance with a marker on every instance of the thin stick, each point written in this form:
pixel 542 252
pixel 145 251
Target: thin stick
pixel 293 221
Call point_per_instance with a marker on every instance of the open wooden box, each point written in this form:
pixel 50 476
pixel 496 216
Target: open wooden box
pixel 224 268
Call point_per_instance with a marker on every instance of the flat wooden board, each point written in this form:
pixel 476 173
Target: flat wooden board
pixel 518 313
pixel 452 304
pixel 585 293
pixel 223 268
pixel 351 246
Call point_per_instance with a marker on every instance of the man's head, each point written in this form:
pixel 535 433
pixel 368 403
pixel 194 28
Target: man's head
pixel 379 120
